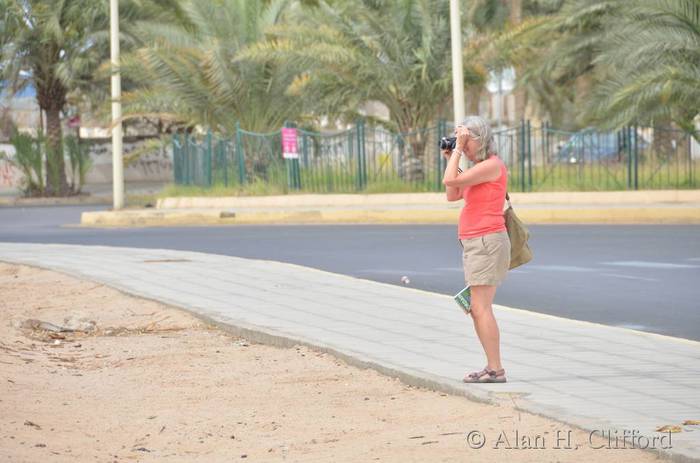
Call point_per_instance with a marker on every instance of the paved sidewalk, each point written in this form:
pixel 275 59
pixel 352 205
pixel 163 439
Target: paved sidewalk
pixel 593 376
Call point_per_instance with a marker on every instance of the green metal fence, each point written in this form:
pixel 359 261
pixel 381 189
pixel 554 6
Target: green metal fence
pixel 372 159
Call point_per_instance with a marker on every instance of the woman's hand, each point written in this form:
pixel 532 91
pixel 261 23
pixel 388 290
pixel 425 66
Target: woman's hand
pixel 446 154
pixel 462 135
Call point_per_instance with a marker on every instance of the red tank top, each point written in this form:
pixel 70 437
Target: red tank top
pixel 483 207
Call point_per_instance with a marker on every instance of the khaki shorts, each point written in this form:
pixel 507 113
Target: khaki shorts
pixel 486 259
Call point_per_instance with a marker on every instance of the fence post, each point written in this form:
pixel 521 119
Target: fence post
pixel 522 155
pixel 363 148
pixel 630 157
pixel 358 174
pixel 441 127
pixel 223 148
pixel 177 172
pixel 636 159
pixel 305 150
pixel 186 157
pixel 240 154
pixel 208 159
pixel 529 157
pixel 546 142
pixel 361 181
pixel 691 180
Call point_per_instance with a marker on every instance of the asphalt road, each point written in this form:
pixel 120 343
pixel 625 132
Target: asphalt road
pixel 641 277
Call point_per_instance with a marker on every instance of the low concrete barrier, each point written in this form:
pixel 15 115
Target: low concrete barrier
pixel 432 199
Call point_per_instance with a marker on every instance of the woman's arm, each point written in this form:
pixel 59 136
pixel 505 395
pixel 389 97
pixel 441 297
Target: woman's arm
pixel 454 193
pixel 484 171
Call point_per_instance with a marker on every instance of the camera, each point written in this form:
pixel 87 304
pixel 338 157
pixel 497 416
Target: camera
pixel 448 143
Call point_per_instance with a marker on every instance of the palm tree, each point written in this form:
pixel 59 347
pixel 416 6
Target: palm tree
pixel 56 46
pixel 48 43
pixel 652 62
pixel 189 71
pixel 615 62
pixel 504 29
pixel 555 48
pixel 394 52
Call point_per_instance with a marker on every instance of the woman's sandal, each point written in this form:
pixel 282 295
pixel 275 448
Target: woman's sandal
pixel 486 375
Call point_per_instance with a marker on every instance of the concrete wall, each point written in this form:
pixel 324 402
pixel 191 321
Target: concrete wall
pixel 153 167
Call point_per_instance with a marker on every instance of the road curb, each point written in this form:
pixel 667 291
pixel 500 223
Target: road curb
pixel 309 201
pixel 531 215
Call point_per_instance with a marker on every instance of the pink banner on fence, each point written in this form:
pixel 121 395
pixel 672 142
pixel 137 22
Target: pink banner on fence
pixel 289 143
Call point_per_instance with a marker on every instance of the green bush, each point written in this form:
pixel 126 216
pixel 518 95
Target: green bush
pixel 29 158
pixel 80 161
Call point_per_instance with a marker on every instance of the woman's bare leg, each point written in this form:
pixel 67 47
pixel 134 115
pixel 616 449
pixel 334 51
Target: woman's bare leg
pixel 485 324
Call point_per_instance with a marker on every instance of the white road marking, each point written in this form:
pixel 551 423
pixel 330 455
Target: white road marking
pixel 561 268
pixel 629 277
pixel 389 271
pixel 645 264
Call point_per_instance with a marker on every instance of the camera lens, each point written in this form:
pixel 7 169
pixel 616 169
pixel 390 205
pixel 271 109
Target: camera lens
pixel 448 143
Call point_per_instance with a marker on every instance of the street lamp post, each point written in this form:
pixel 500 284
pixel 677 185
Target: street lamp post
pixel 117 158
pixel 457 74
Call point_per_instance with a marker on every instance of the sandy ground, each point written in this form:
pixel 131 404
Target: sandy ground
pixel 148 382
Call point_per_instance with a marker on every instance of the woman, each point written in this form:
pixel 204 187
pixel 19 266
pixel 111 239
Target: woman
pixel 482 232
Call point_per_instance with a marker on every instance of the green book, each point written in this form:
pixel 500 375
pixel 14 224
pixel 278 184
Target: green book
pixel 464 299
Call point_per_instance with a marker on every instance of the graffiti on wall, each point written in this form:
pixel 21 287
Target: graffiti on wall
pixel 154 166
pixel 10 176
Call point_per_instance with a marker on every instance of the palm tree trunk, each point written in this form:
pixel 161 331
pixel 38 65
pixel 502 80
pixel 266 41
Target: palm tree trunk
pixel 412 138
pixel 56 181
pixel 663 139
pixel 51 96
pixel 415 169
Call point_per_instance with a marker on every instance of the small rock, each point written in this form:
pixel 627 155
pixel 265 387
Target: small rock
pixel 79 324
pixel 40 445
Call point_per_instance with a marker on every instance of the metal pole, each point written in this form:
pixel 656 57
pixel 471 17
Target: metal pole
pixel 117 157
pixel 457 74
pixel 499 114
